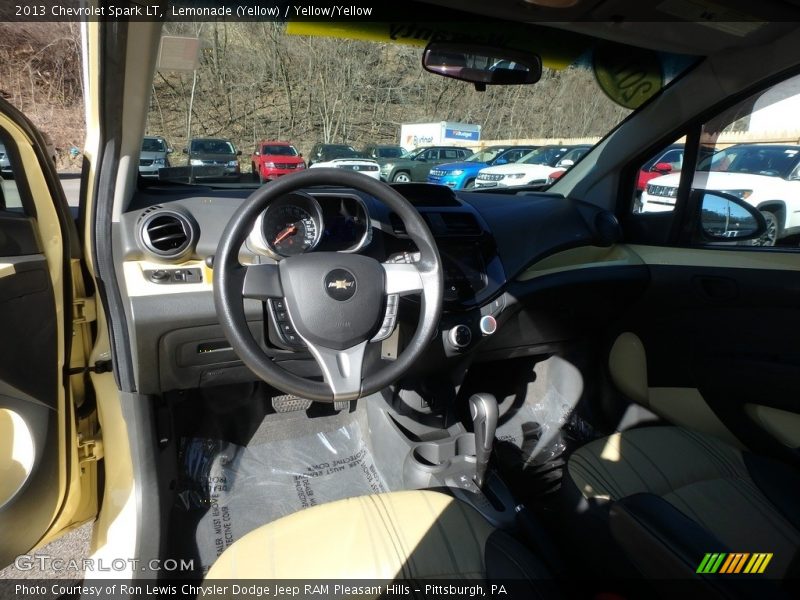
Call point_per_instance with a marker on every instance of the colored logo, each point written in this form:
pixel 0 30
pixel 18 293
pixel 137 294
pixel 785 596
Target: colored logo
pixel 733 563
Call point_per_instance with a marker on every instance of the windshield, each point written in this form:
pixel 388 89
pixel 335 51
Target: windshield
pixel 485 156
pixel 548 155
pixel 772 161
pixel 331 152
pixel 328 88
pixel 212 147
pixel 153 145
pixel 390 152
pixel 574 155
pixel 278 150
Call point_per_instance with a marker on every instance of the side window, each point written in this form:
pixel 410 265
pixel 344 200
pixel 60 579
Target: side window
pixel 750 151
pixel 451 154
pixel 430 154
pixel 10 200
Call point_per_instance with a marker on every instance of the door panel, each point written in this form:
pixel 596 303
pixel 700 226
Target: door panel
pixel 725 334
pixel 38 444
pixel 29 450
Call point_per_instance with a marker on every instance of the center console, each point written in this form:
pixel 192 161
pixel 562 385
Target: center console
pixel 447 459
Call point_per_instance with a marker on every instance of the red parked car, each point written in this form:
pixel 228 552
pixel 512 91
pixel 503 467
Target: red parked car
pixel 669 160
pixel 272 159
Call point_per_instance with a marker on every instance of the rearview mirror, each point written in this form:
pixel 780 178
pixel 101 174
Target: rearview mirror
pixel 482 65
pixel 566 163
pixel 727 218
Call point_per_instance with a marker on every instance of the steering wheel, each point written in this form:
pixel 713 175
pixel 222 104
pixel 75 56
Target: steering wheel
pixel 337 302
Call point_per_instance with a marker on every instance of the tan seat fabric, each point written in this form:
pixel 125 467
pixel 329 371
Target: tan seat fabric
pixel 410 535
pixel 702 477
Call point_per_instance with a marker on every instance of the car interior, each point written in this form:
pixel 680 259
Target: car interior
pixel 332 377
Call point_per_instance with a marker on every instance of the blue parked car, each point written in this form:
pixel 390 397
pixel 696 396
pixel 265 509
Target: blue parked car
pixel 461 175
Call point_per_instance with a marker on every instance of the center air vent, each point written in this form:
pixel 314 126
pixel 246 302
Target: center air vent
pixel 168 234
pixel 460 223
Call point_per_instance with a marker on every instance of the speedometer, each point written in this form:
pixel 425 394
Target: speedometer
pixel 290 230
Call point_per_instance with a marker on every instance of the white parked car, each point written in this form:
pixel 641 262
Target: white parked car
pixel 532 169
pixel 766 176
pixel 362 165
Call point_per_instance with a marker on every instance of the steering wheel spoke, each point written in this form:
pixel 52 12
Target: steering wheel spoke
pixel 262 282
pixel 341 369
pixel 402 279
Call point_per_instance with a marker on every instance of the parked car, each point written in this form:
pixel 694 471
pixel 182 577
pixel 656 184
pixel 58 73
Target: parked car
pixel 271 159
pixel 416 165
pixel 532 169
pixel 327 152
pixel 211 152
pixel 341 156
pixel 765 176
pixel 566 162
pixel 669 160
pixel 461 175
pixel 154 155
pixel 384 152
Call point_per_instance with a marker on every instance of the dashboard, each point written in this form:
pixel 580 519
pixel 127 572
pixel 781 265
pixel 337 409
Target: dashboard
pixel 164 246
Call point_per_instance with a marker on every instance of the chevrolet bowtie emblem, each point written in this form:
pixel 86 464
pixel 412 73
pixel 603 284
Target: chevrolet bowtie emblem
pixel 340 284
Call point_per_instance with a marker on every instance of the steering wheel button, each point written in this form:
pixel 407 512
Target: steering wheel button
pixel 279 304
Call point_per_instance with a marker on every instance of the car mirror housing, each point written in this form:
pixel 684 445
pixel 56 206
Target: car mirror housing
pixel 238 153
pixel 186 151
pixel 726 218
pixel 662 167
pixel 482 65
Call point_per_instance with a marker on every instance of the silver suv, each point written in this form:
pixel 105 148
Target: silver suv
pixel 153 156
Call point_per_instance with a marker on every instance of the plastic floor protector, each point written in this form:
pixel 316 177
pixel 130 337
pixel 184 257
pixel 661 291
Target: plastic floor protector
pixel 536 426
pixel 241 488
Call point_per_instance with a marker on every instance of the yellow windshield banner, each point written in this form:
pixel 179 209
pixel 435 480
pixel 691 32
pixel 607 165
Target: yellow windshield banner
pixel 558 49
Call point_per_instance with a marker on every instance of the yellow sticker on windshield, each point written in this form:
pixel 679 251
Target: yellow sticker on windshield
pixel 629 76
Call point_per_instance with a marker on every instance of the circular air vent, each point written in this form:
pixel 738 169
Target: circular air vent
pixel 167 234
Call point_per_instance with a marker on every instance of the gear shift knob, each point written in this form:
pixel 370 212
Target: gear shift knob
pixel 484 412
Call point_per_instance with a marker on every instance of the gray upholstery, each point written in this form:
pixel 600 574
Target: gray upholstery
pixel 710 485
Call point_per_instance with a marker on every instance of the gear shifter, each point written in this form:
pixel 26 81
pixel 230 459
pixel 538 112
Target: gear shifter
pixel 484 412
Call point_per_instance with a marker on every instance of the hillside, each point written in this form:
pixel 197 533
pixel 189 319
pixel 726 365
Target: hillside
pixel 40 73
pixel 257 82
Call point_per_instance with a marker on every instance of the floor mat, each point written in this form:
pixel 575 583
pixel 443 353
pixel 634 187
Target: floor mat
pixel 234 489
